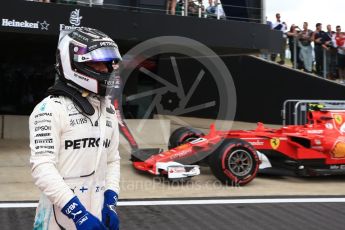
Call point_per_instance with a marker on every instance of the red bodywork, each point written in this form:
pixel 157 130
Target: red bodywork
pixel 321 139
pixel 205 144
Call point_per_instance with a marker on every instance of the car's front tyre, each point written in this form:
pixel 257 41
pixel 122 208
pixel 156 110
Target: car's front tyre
pixel 235 162
pixel 184 135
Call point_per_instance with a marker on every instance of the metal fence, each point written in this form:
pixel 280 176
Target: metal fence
pixel 328 58
pixel 195 8
pixel 294 111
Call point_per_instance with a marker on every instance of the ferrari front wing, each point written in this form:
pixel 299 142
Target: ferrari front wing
pixel 173 170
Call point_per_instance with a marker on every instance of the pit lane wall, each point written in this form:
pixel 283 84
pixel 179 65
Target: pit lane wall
pixel 261 87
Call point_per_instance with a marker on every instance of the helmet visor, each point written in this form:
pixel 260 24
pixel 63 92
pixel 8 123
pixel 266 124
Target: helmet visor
pixel 103 54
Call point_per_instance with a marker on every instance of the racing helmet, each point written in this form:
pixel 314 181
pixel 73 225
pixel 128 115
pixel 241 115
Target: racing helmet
pixel 77 50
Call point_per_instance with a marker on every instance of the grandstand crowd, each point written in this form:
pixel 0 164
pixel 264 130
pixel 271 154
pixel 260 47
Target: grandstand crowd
pixel 312 50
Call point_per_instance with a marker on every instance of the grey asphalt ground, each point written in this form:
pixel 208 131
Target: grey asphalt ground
pixel 292 216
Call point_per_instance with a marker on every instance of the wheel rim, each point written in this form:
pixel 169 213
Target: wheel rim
pixel 240 162
pixel 189 139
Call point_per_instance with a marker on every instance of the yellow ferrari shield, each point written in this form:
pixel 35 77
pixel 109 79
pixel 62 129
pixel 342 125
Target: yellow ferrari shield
pixel 275 142
pixel 338 118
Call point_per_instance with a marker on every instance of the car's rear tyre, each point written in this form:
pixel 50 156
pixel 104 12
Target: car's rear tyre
pixel 184 135
pixel 235 162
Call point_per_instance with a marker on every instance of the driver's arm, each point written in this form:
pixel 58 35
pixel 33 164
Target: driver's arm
pixel 45 128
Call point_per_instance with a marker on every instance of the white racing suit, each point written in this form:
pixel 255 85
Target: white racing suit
pixel 72 154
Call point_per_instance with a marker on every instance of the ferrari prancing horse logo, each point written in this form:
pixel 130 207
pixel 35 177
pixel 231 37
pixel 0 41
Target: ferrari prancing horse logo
pixel 275 142
pixel 338 119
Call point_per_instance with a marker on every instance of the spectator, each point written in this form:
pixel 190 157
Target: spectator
pixel 211 8
pixel 338 40
pixel 264 52
pixel 319 37
pixel 269 23
pixel 194 7
pixel 281 26
pixel 215 10
pixel 87 2
pixel 70 1
pixel 219 9
pixel 171 7
pixel 306 51
pixel 292 38
pixel 331 54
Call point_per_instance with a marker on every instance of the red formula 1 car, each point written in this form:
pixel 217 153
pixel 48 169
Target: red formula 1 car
pixel 232 160
pixel 314 148
pixel 179 163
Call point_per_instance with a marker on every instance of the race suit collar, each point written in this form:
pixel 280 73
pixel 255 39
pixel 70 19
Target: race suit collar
pixel 62 89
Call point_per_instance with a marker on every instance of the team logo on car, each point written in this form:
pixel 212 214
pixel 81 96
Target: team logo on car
pixel 338 118
pixel 275 142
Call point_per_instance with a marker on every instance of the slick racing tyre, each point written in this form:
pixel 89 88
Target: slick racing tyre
pixel 235 162
pixel 184 135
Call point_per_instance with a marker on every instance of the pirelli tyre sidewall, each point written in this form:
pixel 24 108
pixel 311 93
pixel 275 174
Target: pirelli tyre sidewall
pixel 223 162
pixel 183 135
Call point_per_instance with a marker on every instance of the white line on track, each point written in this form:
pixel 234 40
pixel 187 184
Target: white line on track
pixel 196 202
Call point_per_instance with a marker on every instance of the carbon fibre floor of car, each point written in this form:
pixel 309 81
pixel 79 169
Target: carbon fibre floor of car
pixel 278 216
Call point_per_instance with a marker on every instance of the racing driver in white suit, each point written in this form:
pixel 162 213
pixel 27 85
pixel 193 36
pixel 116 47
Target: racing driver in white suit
pixel 74 137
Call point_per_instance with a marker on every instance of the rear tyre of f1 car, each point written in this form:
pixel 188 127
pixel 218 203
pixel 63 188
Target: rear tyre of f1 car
pixel 184 135
pixel 235 162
